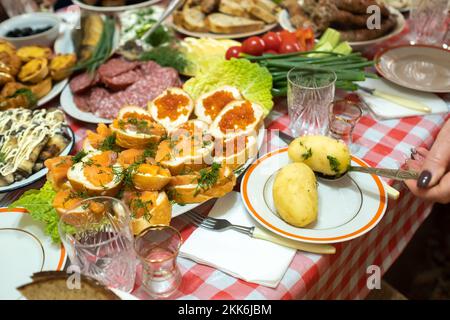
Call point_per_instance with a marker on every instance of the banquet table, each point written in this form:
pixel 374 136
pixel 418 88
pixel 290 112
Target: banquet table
pixel 343 275
pixel 383 143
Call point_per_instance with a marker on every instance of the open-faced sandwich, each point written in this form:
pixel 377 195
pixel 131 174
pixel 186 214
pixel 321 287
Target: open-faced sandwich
pixel 153 159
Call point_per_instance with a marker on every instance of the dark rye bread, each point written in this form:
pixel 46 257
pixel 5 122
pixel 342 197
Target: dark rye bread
pixel 52 285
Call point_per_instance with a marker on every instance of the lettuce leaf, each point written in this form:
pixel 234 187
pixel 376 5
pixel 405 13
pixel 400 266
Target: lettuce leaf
pixel 254 81
pixel 39 205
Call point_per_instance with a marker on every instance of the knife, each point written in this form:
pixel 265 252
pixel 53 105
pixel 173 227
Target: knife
pixel 404 102
pixel 393 193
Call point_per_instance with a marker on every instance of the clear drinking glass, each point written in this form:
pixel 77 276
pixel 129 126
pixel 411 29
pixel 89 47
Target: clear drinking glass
pixel 310 93
pixel 97 236
pixel 428 21
pixel 344 115
pixel 157 248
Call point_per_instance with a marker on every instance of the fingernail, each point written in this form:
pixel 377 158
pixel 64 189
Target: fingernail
pixel 424 179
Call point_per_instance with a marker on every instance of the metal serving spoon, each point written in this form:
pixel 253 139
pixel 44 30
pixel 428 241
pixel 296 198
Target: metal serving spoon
pixel 136 45
pixel 396 174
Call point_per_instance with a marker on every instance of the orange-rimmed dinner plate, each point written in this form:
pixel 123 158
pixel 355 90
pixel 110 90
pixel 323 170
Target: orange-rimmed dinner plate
pixel 24 250
pixel 348 208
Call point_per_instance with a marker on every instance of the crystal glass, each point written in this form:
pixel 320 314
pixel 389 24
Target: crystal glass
pixel 344 115
pixel 428 21
pixel 97 236
pixel 310 93
pixel 157 248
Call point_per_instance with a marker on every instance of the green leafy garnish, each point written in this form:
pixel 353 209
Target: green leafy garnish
pixel 254 81
pixel 307 154
pixel 166 56
pixel 109 144
pixel 80 155
pixel 137 204
pixel 2 157
pixel 334 163
pixel 32 100
pixel 39 205
pixel 208 178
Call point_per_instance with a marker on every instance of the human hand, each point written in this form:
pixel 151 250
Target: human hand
pixel 434 165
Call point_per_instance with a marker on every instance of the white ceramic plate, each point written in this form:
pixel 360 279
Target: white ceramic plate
pixel 101 9
pixel 24 250
pixel 221 35
pixel 41 173
pixel 348 208
pixel 178 210
pixel 69 107
pixel 285 23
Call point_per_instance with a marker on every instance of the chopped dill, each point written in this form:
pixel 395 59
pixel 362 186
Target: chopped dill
pixel 208 178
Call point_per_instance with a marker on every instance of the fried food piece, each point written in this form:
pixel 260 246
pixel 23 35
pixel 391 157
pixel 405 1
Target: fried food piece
pixel 7 47
pixel 33 52
pixel 61 66
pixel 5 77
pixel 10 88
pixel 18 101
pixel 42 88
pixel 34 71
pixel 12 61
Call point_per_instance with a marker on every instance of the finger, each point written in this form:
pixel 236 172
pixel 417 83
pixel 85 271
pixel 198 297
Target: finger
pixel 440 193
pixel 419 154
pixel 437 160
pixel 414 165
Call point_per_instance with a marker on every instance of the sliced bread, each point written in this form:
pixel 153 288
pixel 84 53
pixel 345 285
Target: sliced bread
pixel 233 8
pixel 194 19
pixel 222 23
pixel 263 14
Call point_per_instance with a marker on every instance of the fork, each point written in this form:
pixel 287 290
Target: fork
pixel 222 225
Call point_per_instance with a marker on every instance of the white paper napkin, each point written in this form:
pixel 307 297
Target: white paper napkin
pixel 389 110
pixel 239 255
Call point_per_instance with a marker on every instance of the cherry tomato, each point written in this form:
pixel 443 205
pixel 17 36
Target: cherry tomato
pixel 233 52
pixel 254 46
pixel 289 47
pixel 287 36
pixel 272 41
pixel 270 52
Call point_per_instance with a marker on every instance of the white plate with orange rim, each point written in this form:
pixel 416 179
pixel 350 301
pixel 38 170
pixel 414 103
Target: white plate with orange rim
pixel 24 250
pixel 348 208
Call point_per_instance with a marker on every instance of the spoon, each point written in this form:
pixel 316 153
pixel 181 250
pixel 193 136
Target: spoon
pixel 396 174
pixel 136 45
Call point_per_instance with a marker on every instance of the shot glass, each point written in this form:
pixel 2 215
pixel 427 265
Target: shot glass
pixel 97 236
pixel 310 93
pixel 157 248
pixel 344 115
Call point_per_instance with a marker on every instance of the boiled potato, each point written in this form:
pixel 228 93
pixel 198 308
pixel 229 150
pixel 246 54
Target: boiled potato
pixel 295 194
pixel 322 154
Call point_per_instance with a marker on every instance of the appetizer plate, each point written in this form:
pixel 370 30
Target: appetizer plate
pixel 112 9
pixel 285 23
pixel 348 208
pixel 69 107
pixel 221 35
pixel 179 210
pixel 41 173
pixel 419 67
pixel 25 250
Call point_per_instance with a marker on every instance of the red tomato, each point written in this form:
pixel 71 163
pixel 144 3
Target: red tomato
pixel 289 47
pixel 272 41
pixel 270 52
pixel 233 52
pixel 254 46
pixel 287 36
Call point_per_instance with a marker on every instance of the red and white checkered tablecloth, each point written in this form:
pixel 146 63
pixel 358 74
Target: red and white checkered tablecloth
pixel 343 275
